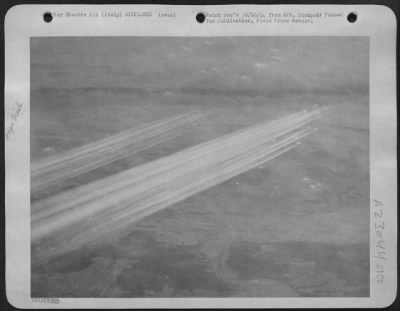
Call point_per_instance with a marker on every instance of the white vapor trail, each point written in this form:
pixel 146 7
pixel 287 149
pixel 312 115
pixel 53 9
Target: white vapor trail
pixel 75 162
pixel 109 206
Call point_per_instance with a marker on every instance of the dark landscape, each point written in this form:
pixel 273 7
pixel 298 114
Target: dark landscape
pixel 297 225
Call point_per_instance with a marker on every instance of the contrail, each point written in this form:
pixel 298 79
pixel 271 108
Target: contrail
pixel 187 157
pixel 75 162
pixel 108 207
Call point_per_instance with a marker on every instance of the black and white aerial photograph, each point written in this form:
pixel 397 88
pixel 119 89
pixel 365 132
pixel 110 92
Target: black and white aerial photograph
pixel 199 167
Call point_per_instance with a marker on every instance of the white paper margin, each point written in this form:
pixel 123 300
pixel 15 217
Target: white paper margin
pixel 25 21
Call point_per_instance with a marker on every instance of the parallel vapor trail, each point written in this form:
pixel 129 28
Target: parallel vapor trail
pixel 107 207
pixel 75 162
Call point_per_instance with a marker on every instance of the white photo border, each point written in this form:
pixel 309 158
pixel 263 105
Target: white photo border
pixel 376 22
